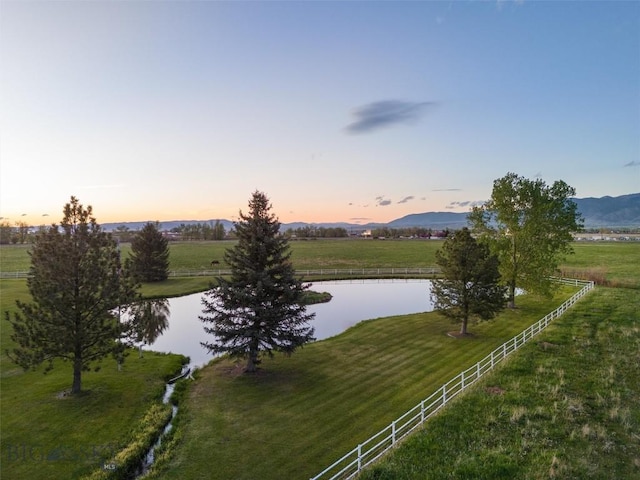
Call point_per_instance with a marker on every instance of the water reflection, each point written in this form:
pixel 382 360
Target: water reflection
pixel 352 302
pixel 149 319
pixel 357 300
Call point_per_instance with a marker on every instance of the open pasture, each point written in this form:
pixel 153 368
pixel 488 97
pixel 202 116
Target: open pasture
pixel 611 263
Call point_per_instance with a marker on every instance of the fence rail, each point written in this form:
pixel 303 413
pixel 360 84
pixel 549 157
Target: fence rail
pixel 349 465
pixel 326 272
pixel 312 272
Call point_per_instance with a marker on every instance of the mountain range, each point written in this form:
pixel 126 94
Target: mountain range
pixel 611 212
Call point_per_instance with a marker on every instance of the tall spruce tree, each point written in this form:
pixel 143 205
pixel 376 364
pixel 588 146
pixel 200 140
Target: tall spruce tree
pixel 150 254
pixel 529 225
pixel 259 308
pixel 470 287
pixel 76 282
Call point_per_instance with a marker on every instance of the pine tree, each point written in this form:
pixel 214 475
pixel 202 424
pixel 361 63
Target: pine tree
pixel 76 282
pixel 259 309
pixel 150 254
pixel 471 284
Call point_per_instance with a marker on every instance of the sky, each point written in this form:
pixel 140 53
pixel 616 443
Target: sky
pixel 338 111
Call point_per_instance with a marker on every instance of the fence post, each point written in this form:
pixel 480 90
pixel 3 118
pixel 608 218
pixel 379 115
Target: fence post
pixel 462 381
pixel 492 359
pixel 359 457
pixel 444 394
pixel 393 433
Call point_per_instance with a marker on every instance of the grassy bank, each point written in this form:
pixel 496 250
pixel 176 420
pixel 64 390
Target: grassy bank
pixel 566 406
pixel 46 434
pixel 301 413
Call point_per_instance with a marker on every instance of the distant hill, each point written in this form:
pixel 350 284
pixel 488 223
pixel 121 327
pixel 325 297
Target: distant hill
pixel 437 220
pixel 623 211
pixel 612 212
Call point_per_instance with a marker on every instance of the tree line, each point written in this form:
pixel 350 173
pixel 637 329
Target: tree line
pixel 85 301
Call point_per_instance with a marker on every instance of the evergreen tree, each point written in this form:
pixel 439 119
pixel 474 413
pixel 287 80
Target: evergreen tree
pixel 150 254
pixel 259 309
pixel 76 281
pixel 471 284
pixel 529 225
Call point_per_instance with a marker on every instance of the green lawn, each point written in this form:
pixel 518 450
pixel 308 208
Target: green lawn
pixel 566 406
pixel 299 414
pixel 48 436
pixel 45 436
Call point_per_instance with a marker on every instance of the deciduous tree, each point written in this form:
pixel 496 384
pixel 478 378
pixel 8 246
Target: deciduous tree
pixel 470 287
pixel 259 308
pixel 529 225
pixel 76 282
pixel 150 254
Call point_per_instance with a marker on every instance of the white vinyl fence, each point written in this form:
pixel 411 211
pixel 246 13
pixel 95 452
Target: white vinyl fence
pixel 330 272
pixel 372 449
pixel 314 272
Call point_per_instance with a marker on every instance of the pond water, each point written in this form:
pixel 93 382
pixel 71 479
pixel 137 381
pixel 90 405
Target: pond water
pixel 352 302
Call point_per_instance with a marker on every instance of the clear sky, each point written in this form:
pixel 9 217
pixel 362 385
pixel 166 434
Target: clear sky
pixel 338 111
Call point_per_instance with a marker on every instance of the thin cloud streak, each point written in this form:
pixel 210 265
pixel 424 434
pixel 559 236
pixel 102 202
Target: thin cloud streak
pixel 97 187
pixel 385 113
pixel 467 203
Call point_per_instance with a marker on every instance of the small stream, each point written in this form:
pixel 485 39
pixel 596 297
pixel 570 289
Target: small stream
pixel 168 391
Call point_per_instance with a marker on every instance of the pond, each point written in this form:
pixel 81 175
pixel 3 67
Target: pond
pixel 352 302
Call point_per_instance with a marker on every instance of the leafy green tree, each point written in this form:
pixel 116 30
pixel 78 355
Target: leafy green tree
pixel 470 287
pixel 76 282
pixel 122 233
pixel 529 225
pixel 6 232
pixel 218 231
pixel 22 231
pixel 150 254
pixel 259 308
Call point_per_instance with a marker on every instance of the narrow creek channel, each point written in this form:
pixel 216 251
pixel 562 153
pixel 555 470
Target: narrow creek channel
pixel 149 458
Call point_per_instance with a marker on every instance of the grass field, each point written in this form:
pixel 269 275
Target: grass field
pixel 566 406
pixel 609 263
pixel 304 411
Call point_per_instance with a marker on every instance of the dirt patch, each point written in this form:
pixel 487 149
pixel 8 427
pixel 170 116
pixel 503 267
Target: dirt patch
pixel 494 391
pixel 547 345
pixel 460 335
pixel 232 369
pixel 63 394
